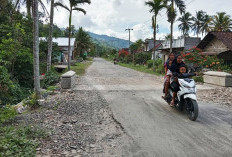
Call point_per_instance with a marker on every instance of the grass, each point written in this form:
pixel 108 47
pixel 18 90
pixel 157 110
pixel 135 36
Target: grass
pixel 80 68
pixel 140 68
pixel 198 79
pixel 18 140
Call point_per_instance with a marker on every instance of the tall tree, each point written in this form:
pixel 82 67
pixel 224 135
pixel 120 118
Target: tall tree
pixel 221 22
pixel 83 42
pixel 29 5
pixel 73 6
pixel 36 47
pixel 206 21
pixel 49 57
pixel 198 22
pixel 172 13
pixel 155 7
pixel 186 23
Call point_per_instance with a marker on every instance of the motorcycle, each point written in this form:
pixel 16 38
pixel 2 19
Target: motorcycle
pixel 186 96
pixel 115 61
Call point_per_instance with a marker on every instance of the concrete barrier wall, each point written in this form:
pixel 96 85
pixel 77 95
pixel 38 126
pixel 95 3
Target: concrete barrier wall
pixel 218 78
pixel 68 80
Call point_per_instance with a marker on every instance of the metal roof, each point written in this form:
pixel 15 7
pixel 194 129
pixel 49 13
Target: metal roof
pixel 60 41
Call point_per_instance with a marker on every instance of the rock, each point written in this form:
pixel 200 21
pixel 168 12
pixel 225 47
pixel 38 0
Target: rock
pixel 74 121
pixel 91 145
pixel 41 102
pixel 20 108
pixel 73 151
pixel 73 147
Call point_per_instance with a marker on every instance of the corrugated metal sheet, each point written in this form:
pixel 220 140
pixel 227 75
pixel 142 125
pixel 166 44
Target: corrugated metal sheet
pixel 60 41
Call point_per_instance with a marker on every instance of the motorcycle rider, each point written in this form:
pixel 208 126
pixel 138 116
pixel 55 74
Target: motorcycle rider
pixel 175 68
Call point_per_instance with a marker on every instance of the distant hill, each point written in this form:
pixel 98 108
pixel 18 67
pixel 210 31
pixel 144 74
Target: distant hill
pixel 110 41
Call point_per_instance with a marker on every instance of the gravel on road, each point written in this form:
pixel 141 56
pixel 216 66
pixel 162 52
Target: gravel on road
pixel 80 123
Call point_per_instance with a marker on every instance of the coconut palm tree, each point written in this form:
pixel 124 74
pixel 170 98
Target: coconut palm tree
pixel 29 4
pixel 206 21
pixel 172 13
pixel 49 57
pixel 36 47
pixel 186 23
pixel 221 22
pixel 73 6
pixel 83 42
pixel 155 7
pixel 198 22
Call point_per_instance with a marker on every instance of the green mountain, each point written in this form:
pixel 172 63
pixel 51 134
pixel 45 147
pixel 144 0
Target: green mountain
pixel 110 41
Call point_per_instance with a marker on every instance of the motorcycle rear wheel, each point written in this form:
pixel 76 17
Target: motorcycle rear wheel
pixel 192 109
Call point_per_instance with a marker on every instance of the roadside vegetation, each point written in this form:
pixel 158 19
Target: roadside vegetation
pixel 17 79
pixel 80 68
pixel 137 59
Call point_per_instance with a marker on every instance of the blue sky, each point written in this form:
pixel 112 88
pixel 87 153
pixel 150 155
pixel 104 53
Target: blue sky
pixel 112 17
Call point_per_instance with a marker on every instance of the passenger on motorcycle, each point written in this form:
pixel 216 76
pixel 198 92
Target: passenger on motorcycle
pixel 175 84
pixel 168 73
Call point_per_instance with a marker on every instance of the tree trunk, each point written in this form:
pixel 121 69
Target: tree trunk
pixel 36 48
pixel 49 57
pixel 171 35
pixel 172 21
pixel 28 5
pixel 154 23
pixel 69 39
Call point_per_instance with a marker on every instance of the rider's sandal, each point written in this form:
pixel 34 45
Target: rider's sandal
pixel 172 104
pixel 164 97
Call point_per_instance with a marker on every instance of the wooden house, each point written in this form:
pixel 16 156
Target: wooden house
pixel 218 44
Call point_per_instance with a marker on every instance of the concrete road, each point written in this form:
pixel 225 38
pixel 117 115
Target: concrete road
pixel 156 128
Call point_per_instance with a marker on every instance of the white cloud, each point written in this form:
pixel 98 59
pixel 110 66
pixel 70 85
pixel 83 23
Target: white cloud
pixel 112 17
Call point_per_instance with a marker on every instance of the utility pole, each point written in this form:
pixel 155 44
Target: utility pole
pixel 130 29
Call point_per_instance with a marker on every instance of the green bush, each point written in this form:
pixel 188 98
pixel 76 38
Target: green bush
pixel 198 79
pixel 226 68
pixel 142 58
pixel 50 78
pixel 10 92
pixel 129 59
pixel 159 68
pixel 7 113
pixel 149 64
pixel 31 101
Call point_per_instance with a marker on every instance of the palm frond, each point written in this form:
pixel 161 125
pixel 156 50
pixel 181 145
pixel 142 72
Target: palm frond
pixel 58 4
pixel 79 9
pixel 76 2
pixel 180 5
pixel 43 7
pixel 83 1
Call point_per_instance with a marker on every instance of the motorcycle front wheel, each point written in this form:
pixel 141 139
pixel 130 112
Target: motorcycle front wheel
pixel 192 109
